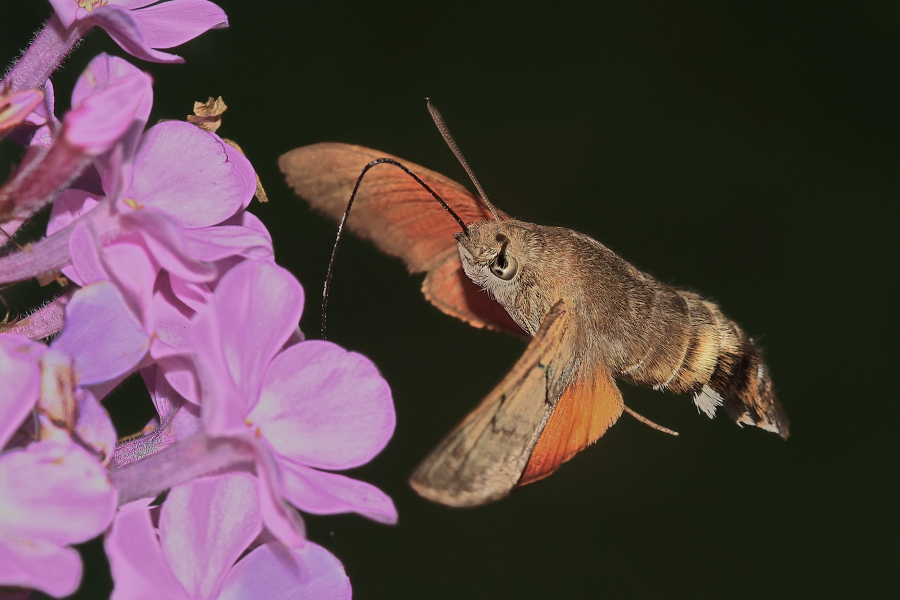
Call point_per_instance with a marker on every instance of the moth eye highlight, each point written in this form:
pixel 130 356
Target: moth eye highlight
pixel 503 266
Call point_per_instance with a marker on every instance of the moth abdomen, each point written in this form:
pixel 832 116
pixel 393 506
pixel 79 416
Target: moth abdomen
pixel 702 352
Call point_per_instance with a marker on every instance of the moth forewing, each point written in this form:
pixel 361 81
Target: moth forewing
pixel 483 458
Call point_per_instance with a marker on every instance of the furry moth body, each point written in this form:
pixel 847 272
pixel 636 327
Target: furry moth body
pixel 591 315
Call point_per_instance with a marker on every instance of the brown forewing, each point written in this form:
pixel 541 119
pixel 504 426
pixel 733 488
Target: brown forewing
pixel 483 458
pixel 391 208
pixel 401 218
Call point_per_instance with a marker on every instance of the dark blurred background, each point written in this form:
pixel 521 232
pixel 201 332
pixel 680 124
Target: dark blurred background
pixel 748 151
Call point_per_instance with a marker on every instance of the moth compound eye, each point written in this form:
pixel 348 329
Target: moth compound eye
pixel 504 266
pixel 501 238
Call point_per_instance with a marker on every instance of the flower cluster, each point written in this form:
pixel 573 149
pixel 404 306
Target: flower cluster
pixel 174 280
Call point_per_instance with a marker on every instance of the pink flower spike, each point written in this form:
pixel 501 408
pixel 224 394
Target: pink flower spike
pixel 106 352
pixel 15 107
pixel 54 494
pixel 273 571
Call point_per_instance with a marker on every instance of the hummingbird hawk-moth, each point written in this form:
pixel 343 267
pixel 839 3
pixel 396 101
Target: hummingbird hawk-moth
pixel 591 316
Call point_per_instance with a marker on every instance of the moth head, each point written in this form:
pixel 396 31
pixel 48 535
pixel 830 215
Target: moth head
pixel 492 255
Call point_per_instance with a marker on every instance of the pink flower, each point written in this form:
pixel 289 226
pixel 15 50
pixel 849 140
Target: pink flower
pixel 96 123
pixel 204 527
pixel 311 406
pixel 135 26
pixel 139 28
pixel 55 493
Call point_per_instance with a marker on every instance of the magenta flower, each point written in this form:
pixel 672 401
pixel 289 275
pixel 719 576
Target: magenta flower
pixel 173 214
pixel 55 493
pixel 95 124
pixel 135 26
pixel 204 527
pixel 66 381
pixel 139 28
pixel 313 405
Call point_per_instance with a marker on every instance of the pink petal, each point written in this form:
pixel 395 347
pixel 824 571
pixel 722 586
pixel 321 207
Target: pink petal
pixel 236 340
pixel 44 114
pixel 15 107
pixel 86 267
pixel 202 191
pixel 194 295
pixel 132 4
pixel 169 317
pixel 54 494
pixel 139 570
pixel 324 407
pixel 171 24
pixel 128 265
pixel 322 493
pixel 103 71
pixel 104 116
pixel 68 206
pixel 180 373
pixel 205 526
pixel 164 242
pixel 281 520
pixel 125 31
pixel 65 10
pixel 21 377
pixel 39 565
pixel 101 353
pixel 272 571
pixel 215 243
pixel 245 171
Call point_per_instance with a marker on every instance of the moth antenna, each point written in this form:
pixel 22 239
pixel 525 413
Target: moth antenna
pixel 340 230
pixel 445 132
pixel 647 421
